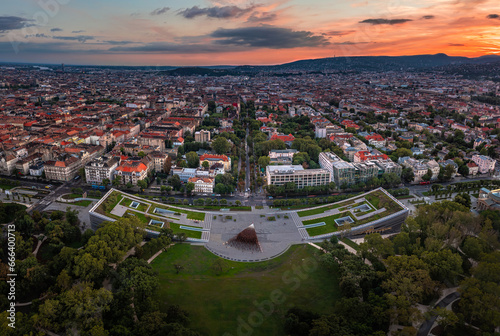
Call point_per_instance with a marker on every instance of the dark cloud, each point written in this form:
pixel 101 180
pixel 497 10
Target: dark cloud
pixel 80 38
pixel 173 48
pixel 37 35
pixel 56 30
pixel 456 45
pixel 217 12
pixel 119 42
pixel 262 17
pixel 339 32
pixel 385 21
pixel 43 48
pixel 493 16
pixel 77 31
pixel 349 43
pixel 160 11
pixel 268 37
pixel 12 22
pixel 428 17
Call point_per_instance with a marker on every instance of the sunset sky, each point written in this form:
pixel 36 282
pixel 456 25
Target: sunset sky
pixel 202 32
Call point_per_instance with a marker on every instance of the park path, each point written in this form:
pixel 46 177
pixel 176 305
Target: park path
pixel 427 325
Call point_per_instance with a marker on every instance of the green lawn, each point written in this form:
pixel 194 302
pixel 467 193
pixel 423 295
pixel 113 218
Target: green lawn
pixel 190 214
pixel 215 303
pixel 320 210
pixel 174 226
pixel 127 202
pixel 84 203
pixel 191 234
pixel 330 226
pixel 71 196
pixel 350 243
pixel 7 186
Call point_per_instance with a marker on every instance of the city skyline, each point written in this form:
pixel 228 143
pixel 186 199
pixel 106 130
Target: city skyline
pixel 241 32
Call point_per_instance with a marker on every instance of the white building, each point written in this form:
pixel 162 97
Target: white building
pixel 280 175
pixel 484 163
pixel 99 169
pixel 203 184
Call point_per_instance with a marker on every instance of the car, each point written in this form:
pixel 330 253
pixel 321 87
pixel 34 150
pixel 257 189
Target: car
pixel 77 177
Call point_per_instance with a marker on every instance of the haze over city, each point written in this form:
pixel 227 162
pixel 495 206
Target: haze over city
pixel 239 32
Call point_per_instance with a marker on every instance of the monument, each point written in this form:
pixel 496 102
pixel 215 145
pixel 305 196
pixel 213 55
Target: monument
pixel 246 240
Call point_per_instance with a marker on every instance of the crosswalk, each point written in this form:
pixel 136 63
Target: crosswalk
pixel 207 223
pixel 205 235
pixel 298 223
pixel 303 233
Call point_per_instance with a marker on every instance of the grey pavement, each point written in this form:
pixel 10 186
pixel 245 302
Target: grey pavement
pixel 275 237
pixel 83 213
pixel 425 328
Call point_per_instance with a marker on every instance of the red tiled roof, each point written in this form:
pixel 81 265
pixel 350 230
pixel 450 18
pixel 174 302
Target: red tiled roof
pixel 214 156
pixel 285 138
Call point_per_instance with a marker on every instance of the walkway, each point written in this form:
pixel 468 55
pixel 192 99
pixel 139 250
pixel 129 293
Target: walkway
pixel 426 327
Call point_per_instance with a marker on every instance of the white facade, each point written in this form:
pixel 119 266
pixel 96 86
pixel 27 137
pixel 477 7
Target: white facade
pixel 484 163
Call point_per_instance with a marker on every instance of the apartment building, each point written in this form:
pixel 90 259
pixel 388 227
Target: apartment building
pixel 284 156
pixel 203 184
pixel 484 163
pixel 99 169
pixel 345 173
pixel 158 159
pixel 63 169
pixel 216 159
pixel 202 136
pixel 132 171
pixel 280 175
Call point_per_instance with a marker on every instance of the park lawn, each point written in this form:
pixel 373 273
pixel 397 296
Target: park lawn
pixel 127 202
pixel 71 196
pixel 349 242
pixel 215 303
pixel 190 214
pixel 189 233
pixel 330 226
pixel 320 210
pixel 7 186
pixel 83 203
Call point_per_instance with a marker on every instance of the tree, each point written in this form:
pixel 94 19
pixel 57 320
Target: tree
pixel 105 182
pixel 142 184
pixel 463 199
pixel 427 176
pixel 72 216
pixel 175 182
pixel 264 161
pixel 117 180
pixel 407 175
pixel 391 179
pixel 178 268
pixel 189 188
pixel 449 170
pixel 129 185
pixel 221 145
pixel 219 266
pixel 205 164
pixel 463 170
pixel 141 154
pixel 167 165
pixel 193 160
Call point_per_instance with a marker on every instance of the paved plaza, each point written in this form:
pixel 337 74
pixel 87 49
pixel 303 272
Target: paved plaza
pixel 275 237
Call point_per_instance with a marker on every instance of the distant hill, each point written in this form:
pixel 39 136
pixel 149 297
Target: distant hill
pixel 371 63
pixel 330 64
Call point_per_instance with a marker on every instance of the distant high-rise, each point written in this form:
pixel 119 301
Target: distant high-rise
pixel 62 67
